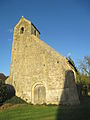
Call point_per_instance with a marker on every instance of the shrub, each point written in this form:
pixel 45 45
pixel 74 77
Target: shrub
pixel 3 94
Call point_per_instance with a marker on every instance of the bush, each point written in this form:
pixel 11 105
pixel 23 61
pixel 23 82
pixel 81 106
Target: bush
pixel 10 91
pixel 3 94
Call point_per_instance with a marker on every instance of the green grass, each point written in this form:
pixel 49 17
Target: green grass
pixel 31 112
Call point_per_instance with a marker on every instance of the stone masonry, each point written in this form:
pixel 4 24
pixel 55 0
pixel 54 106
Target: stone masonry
pixel 38 73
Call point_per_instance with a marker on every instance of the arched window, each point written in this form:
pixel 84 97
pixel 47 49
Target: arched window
pixel 22 30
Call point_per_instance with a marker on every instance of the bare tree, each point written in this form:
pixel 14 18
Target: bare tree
pixel 84 77
pixel 85 65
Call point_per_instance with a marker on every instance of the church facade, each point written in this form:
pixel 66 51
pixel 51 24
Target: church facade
pixel 38 73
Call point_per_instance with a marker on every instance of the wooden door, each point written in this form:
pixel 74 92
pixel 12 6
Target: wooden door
pixel 39 94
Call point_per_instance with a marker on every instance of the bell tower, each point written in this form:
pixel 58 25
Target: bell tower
pixel 25 27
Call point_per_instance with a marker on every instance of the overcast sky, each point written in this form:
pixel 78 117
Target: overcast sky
pixel 64 25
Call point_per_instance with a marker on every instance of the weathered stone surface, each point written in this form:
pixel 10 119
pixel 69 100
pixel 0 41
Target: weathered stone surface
pixel 38 73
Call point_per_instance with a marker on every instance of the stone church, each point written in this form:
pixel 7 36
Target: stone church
pixel 39 74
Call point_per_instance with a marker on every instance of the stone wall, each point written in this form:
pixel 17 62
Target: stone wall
pixel 38 72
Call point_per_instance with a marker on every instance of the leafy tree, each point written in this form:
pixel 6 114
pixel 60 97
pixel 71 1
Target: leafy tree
pixel 3 77
pixel 3 94
pixel 83 76
pixel 84 67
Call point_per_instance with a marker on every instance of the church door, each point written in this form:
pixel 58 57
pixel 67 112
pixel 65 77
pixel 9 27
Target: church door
pixel 39 94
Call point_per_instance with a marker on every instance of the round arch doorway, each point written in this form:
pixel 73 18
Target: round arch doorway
pixel 39 94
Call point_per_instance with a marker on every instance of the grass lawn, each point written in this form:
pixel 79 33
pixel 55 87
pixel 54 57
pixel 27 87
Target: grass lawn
pixel 31 112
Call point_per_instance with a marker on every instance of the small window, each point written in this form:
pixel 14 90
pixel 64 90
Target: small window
pixel 22 30
pixel 57 61
pixel 34 32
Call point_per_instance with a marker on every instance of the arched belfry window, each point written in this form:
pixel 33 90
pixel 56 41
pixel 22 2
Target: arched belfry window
pixel 22 30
